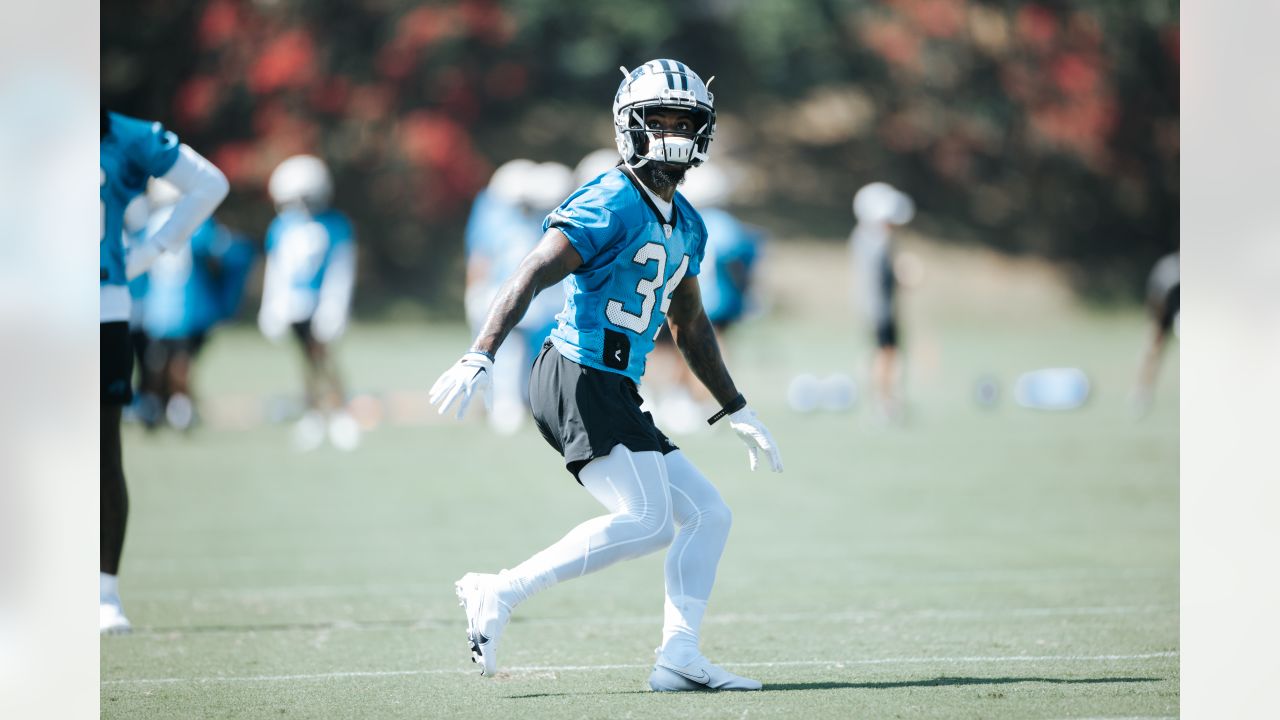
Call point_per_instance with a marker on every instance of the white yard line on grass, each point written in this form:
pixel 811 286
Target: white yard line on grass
pixel 591 668
pixel 1125 718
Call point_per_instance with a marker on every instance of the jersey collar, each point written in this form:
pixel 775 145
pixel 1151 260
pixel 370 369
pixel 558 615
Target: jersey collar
pixel 667 225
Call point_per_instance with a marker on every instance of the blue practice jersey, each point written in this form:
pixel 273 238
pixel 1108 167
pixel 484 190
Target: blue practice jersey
pixel 731 252
pixel 130 153
pixel 304 244
pixel 194 288
pixel 617 300
pixel 490 217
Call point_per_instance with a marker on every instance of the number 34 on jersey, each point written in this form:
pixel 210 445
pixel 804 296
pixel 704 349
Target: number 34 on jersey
pixel 649 289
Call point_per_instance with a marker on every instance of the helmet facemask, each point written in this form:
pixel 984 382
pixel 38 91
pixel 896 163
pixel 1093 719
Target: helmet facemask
pixel 673 147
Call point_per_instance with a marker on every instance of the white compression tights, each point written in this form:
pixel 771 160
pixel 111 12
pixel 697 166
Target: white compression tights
pixel 648 495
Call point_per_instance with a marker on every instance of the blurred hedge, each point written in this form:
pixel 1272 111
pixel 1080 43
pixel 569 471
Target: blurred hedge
pixel 1039 127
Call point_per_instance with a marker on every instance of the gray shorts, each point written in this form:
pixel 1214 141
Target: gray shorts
pixel 583 412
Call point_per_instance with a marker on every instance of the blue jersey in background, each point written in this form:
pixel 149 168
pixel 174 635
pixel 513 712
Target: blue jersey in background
pixel 192 290
pixel 732 248
pixel 304 244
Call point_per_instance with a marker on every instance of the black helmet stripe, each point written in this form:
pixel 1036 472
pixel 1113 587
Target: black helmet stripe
pixel 684 74
pixel 671 80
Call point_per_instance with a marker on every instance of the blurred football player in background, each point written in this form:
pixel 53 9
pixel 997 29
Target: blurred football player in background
pixel 594 164
pixel 629 250
pixel 189 292
pixel 1162 308
pixel 732 249
pixel 307 286
pixel 504 226
pixel 879 207
pixel 131 151
pixel 496 211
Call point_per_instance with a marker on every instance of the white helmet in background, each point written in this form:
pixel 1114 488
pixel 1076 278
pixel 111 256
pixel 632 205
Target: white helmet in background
pixel 509 181
pixel 550 183
pixel 302 180
pixel 709 187
pixel 883 203
pixel 594 164
pixel 663 84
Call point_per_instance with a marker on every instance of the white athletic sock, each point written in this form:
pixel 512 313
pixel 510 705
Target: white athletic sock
pixel 633 487
pixel 704 520
pixel 681 624
pixel 108 588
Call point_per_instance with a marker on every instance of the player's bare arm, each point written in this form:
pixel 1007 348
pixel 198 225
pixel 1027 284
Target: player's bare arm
pixel 696 339
pixel 547 264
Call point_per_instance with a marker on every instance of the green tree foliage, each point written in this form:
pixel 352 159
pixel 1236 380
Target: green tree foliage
pixel 1045 127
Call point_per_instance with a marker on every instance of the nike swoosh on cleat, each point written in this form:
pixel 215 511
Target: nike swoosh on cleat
pixel 702 679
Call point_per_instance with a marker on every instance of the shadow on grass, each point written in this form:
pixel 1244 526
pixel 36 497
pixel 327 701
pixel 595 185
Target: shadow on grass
pixel 929 682
pixel 949 681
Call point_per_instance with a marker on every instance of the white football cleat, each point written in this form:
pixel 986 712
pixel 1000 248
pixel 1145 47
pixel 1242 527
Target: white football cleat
pixel 487 616
pixel 699 674
pixel 111 619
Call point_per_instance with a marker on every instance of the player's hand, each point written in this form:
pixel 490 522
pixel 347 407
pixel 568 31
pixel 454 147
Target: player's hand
pixel 470 375
pixel 757 437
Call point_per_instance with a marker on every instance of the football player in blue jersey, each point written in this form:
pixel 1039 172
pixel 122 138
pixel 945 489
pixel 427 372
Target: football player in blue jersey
pixel 629 249
pixel 505 224
pixel 130 152
pixel 307 286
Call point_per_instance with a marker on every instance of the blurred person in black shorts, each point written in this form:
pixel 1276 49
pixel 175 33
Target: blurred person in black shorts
pixel 879 208
pixel 1163 289
pixel 307 288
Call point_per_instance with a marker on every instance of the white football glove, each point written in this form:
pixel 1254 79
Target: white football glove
pixel 470 375
pixel 757 437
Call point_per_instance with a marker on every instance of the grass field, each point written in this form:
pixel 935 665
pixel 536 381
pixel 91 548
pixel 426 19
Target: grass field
pixel 970 564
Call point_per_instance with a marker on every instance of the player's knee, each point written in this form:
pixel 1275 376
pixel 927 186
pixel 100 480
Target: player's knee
pixel 718 517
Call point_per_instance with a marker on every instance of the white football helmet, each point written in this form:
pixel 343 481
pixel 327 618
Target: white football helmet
pixel 663 84
pixel 710 187
pixel 302 180
pixel 594 164
pixel 883 203
pixel 509 181
pixel 551 183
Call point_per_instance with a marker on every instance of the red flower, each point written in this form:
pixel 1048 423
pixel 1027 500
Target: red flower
pixel 287 62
